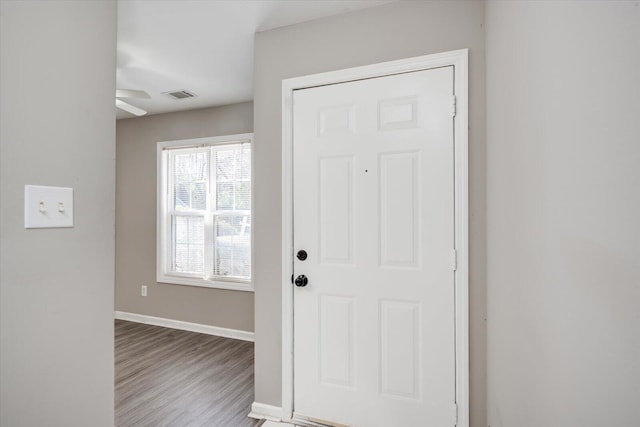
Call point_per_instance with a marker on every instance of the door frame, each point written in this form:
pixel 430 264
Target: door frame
pixel 459 60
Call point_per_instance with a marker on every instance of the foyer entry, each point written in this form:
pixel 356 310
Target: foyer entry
pixel 374 331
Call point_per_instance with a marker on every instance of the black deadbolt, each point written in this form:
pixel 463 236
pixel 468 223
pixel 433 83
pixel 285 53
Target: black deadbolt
pixel 301 281
pixel 302 255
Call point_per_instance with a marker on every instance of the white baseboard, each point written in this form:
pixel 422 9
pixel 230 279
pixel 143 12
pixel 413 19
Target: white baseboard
pixel 262 411
pixel 186 326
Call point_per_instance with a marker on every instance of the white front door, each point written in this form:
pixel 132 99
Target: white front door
pixel 374 327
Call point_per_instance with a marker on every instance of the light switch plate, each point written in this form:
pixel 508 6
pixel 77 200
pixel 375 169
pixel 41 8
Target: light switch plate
pixel 48 207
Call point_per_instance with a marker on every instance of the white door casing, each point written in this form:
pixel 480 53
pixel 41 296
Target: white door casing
pixel 379 335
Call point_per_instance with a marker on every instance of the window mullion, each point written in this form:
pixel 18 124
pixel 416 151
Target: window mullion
pixel 209 220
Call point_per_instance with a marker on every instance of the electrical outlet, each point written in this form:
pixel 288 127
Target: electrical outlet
pixel 143 290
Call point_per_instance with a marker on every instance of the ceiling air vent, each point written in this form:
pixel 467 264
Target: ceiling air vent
pixel 179 94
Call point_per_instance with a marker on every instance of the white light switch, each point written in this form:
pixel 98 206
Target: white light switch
pixel 48 207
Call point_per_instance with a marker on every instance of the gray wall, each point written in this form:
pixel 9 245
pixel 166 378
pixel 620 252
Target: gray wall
pixel 373 35
pixel 57 80
pixel 563 204
pixel 136 220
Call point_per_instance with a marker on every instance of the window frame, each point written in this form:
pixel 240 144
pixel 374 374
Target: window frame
pixel 163 216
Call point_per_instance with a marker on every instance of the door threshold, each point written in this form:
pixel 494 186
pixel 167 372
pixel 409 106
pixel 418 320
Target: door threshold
pixel 303 421
pixel 270 423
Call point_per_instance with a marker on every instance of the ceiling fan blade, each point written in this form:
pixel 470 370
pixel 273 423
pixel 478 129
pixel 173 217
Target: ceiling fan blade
pixel 129 93
pixel 130 108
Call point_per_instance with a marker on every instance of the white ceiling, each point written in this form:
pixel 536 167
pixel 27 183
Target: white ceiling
pixel 204 46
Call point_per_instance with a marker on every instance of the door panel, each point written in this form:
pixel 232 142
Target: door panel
pixel 399 207
pixel 400 349
pixel 336 209
pixel 336 341
pixel 373 207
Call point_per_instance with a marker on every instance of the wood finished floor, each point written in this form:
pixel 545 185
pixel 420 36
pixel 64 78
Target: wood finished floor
pixel 170 378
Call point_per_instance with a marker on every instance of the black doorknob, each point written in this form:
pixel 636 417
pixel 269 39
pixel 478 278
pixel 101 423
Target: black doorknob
pixel 301 281
pixel 302 255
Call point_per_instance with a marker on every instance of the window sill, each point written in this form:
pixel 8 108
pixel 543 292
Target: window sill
pixel 234 285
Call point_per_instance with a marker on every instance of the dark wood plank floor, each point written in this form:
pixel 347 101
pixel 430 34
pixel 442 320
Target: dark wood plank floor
pixel 167 377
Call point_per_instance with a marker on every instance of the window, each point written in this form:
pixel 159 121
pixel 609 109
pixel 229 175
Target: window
pixel 204 212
